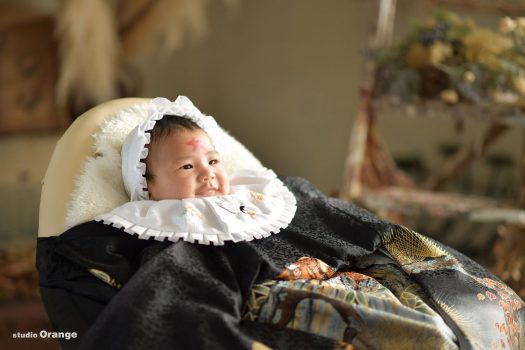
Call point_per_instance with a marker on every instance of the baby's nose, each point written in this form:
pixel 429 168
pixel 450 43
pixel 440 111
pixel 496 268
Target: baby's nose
pixel 208 175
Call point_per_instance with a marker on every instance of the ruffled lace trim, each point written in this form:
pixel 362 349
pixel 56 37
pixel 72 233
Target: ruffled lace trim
pixel 265 206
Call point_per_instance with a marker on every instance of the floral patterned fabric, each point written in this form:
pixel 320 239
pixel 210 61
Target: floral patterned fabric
pixel 351 308
pixel 377 306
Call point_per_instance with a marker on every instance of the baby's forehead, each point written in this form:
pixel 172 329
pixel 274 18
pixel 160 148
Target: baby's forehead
pixel 185 139
pixel 183 134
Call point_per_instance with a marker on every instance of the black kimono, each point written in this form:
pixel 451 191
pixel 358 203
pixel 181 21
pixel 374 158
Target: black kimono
pixel 336 277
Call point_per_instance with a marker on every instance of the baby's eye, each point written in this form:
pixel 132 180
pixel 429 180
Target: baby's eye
pixel 213 161
pixel 187 166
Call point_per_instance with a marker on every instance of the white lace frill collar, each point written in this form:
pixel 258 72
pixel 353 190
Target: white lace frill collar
pixel 258 205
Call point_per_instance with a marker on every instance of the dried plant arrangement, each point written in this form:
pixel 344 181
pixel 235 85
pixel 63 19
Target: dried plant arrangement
pixel 451 58
pixel 18 276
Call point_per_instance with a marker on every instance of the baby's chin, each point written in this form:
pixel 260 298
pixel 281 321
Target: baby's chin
pixel 212 193
pixel 208 193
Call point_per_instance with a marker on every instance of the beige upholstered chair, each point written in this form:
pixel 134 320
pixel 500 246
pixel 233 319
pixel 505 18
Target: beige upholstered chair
pixel 70 153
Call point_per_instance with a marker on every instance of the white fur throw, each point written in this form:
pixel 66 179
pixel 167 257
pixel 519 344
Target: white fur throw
pixel 99 188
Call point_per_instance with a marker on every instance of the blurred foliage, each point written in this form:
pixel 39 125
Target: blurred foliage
pixel 18 275
pixel 451 58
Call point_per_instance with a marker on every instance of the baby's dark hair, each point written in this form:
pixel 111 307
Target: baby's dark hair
pixel 165 127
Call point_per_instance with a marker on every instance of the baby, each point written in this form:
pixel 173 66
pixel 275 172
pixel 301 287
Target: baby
pixel 182 162
pixel 173 172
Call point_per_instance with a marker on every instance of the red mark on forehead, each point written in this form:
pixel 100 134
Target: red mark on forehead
pixel 194 143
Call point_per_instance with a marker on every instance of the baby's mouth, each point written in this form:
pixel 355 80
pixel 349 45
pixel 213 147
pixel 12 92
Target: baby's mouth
pixel 208 191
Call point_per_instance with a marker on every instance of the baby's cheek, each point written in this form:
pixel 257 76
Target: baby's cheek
pixel 226 186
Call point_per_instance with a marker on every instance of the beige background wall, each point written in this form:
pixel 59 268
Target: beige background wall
pixel 282 76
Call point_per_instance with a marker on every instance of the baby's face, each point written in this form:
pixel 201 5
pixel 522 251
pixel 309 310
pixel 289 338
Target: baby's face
pixel 185 165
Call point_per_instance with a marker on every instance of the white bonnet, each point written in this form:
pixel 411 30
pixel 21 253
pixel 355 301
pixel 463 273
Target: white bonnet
pixel 134 149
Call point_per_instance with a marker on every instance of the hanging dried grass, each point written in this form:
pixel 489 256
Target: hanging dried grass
pixel 160 25
pixel 95 40
pixel 89 52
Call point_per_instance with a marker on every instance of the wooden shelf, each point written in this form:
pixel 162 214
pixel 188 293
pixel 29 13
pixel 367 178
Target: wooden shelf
pixel 436 109
pixel 441 205
pixel 372 178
